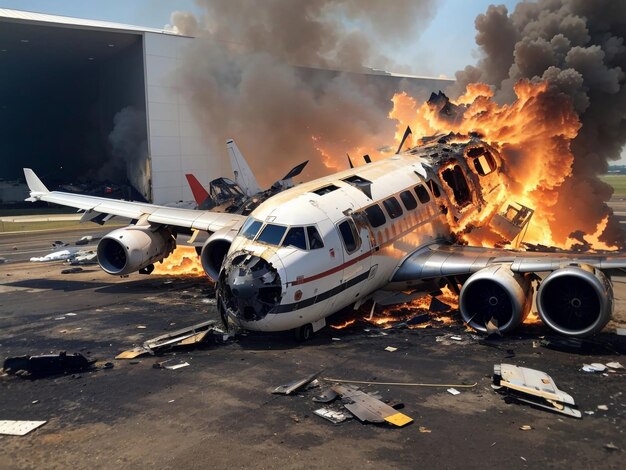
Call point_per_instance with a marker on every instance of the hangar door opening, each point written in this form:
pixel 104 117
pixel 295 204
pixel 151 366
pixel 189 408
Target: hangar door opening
pixel 72 107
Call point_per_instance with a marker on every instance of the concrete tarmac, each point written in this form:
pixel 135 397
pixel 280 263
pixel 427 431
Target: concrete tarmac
pixel 219 412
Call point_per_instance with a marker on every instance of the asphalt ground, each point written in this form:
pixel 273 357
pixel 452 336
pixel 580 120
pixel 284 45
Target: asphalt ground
pixel 219 411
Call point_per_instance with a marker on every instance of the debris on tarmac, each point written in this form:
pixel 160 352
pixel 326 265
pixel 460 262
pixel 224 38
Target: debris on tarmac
pixel 366 408
pixel 611 446
pixel 326 396
pixel 533 387
pixel 424 429
pixel 59 244
pixel 453 391
pixel 399 384
pixel 603 407
pixel 614 365
pixel 84 240
pixel 48 364
pixel 19 428
pixel 71 270
pixel 333 416
pixel 294 386
pixel 188 336
pixel 177 366
pixel 595 367
pixel 526 427
pixel 391 349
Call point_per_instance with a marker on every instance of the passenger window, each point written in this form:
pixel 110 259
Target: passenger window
pixel 349 236
pixel 483 160
pixel 375 216
pixel 434 188
pixel 272 234
pixel 393 207
pixel 295 237
pixel 250 228
pixel 408 200
pixel 422 194
pixel 315 241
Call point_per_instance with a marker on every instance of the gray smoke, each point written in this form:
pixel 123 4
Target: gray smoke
pixel 245 76
pixel 129 150
pixel 578 47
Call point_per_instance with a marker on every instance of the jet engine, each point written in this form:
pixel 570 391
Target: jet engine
pixel 495 293
pixel 132 248
pixel 214 251
pixel 575 300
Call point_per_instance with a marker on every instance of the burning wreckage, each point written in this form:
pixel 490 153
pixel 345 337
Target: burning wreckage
pixel 438 215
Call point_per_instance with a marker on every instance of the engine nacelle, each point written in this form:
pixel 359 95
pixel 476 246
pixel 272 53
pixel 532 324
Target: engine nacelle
pixel 132 248
pixel 495 293
pixel 215 250
pixel 575 300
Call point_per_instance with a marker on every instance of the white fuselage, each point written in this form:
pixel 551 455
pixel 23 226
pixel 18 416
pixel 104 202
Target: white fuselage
pixel 317 281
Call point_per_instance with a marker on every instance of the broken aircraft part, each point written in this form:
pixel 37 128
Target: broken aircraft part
pixel 533 387
pixel 326 396
pixel 367 408
pixel 333 416
pixel 294 386
pixel 48 364
pixel 19 428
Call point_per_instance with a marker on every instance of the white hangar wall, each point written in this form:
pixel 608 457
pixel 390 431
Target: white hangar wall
pixel 175 140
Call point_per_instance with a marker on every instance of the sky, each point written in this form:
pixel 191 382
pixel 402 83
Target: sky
pixel 433 52
pixel 444 47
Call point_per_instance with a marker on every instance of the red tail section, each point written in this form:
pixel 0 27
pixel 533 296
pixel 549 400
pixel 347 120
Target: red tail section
pixel 199 193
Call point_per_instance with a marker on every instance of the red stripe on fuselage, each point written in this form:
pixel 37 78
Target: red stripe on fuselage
pixel 334 270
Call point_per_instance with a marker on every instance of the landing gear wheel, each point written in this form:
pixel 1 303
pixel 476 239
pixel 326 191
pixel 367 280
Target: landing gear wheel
pixel 303 333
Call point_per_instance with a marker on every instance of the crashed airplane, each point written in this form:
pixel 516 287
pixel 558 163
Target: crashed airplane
pixel 365 234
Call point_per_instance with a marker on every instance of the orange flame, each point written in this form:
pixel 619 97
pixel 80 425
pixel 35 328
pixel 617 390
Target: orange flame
pixel 184 261
pixel 533 136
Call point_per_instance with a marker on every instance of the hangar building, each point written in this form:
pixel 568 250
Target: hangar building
pixel 84 99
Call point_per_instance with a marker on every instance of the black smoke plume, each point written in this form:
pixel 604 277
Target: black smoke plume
pixel 578 47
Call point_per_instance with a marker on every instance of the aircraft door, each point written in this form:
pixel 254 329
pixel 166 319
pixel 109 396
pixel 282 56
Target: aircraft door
pixel 357 260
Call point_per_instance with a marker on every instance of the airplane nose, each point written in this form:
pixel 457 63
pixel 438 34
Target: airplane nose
pixel 249 287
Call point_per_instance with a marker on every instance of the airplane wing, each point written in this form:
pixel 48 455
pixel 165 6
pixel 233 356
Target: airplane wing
pixel 178 217
pixel 436 261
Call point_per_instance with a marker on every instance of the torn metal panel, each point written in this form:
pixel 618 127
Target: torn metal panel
pixel 533 387
pixel 294 386
pixel 333 416
pixel 326 396
pixel 185 336
pixel 367 408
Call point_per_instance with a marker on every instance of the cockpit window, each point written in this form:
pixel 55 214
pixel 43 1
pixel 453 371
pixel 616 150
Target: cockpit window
pixel 295 237
pixel 250 228
pixel 315 241
pixel 272 234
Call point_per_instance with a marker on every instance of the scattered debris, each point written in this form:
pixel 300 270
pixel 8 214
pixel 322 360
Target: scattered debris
pixel 83 257
pixel 49 364
pixel 326 396
pixel 595 367
pixel 526 427
pixel 294 386
pixel 603 407
pixel 369 409
pixel 589 412
pixel 59 244
pixel 533 387
pixel 177 366
pixel 141 327
pixel 456 338
pixel 209 301
pixel 614 365
pixel 55 256
pixel 84 240
pixel 453 391
pixel 424 429
pixel 611 446
pixel 19 428
pixel 620 331
pixel 2 260
pixel 391 349
pixel 333 416
pixel 72 270
pixel 188 336
pixel 59 318
pixel 335 339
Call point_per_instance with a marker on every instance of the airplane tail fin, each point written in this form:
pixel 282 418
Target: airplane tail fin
pixel 244 176
pixel 34 183
pixel 199 193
